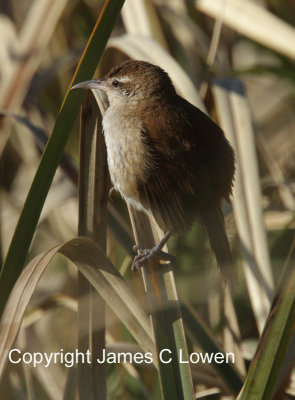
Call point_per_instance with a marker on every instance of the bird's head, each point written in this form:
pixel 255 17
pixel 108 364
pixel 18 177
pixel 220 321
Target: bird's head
pixel 132 81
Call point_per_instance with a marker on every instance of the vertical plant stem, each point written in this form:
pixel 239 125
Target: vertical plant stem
pixel 174 370
pixel 93 184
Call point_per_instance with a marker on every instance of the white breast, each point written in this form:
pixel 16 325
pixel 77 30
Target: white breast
pixel 125 154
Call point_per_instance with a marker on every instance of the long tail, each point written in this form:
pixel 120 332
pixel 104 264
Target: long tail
pixel 214 223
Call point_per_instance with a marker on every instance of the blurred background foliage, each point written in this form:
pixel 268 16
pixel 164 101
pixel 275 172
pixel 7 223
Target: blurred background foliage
pixel 34 86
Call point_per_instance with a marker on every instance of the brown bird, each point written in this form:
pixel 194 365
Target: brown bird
pixel 166 156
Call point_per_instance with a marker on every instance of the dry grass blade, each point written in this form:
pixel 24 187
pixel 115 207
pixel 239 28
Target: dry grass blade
pixel 189 35
pixel 212 52
pixel 33 40
pixel 94 264
pixel 8 42
pixel 254 22
pixel 235 120
pixel 140 18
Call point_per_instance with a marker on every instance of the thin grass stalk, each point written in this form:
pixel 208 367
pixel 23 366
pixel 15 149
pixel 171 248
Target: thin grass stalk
pixel 93 185
pixel 253 21
pixel 175 377
pixel 212 51
pixel 140 19
pixel 29 217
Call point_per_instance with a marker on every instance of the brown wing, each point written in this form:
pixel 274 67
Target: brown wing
pixel 191 162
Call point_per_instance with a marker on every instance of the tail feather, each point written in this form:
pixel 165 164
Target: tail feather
pixel 214 223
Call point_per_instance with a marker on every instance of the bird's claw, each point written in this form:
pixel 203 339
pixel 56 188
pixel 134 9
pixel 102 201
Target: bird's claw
pixel 147 254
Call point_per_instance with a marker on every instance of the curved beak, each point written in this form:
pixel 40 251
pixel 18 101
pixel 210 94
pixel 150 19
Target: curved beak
pixel 93 84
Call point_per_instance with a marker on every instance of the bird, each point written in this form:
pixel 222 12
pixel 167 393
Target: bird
pixel 165 156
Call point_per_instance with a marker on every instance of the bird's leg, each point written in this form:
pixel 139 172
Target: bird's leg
pixel 111 193
pixel 154 252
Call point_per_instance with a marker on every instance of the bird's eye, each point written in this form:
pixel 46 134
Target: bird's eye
pixel 115 83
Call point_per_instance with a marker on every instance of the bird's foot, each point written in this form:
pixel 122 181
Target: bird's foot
pixel 111 193
pixel 148 254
